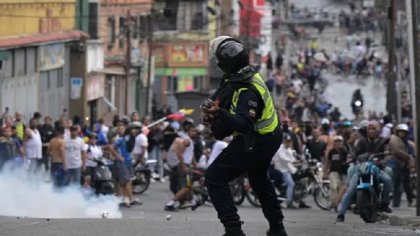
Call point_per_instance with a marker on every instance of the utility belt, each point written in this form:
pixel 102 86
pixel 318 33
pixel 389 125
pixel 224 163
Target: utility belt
pixel 250 139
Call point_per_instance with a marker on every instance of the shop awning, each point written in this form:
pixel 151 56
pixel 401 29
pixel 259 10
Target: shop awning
pixel 183 72
pixel 111 70
pixel 36 39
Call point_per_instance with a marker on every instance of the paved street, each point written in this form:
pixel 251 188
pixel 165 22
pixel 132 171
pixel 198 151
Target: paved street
pixel 150 219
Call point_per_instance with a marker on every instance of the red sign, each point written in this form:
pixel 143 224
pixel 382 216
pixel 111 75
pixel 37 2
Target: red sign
pixel 190 55
pixel 251 18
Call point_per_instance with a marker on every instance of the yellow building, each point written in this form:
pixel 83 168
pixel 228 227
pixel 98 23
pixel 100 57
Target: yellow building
pixel 42 57
pixel 24 17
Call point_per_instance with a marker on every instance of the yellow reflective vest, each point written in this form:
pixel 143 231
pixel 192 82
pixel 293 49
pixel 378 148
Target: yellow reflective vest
pixel 268 121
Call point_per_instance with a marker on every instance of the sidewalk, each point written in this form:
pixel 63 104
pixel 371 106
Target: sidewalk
pixel 404 216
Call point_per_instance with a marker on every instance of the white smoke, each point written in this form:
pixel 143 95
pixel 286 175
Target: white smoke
pixel 29 195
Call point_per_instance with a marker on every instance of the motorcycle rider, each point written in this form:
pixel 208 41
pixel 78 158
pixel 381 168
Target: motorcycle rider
pixel 371 144
pixel 283 161
pixel 401 161
pixel 357 102
pixel 242 106
pixel 93 152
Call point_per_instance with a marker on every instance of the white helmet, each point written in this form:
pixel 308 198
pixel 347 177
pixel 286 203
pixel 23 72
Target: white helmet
pixel 402 127
pixel 214 44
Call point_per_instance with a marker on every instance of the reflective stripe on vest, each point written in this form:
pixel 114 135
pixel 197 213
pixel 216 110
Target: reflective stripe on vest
pixel 268 120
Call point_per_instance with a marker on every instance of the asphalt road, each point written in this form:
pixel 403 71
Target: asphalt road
pixel 150 219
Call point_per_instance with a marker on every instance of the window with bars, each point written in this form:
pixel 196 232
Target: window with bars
pixel 111 31
pixel 192 15
pixel 122 32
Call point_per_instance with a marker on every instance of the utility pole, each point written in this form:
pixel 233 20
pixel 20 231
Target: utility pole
pixel 248 25
pixel 415 85
pixel 127 59
pixel 149 65
pixel 391 104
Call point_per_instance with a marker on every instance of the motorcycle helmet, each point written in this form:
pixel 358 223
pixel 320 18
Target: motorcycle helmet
pixel 287 137
pixel 136 125
pixel 363 128
pixel 230 54
pixel 402 127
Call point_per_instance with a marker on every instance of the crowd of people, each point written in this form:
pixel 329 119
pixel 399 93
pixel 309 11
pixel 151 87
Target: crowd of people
pixel 68 148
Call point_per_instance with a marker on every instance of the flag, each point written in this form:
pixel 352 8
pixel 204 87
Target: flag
pixel 176 116
pixel 186 111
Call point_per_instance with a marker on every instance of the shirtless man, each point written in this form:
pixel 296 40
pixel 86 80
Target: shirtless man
pixel 180 173
pixel 56 148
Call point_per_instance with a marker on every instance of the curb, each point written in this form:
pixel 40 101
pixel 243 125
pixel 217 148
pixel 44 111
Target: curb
pixel 409 221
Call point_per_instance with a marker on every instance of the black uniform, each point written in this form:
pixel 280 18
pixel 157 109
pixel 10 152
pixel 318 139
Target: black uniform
pixel 236 158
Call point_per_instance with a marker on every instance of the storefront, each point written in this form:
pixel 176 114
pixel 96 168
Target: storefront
pixel 179 67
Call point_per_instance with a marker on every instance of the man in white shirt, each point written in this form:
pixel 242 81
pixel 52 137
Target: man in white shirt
pixel 283 161
pixel 75 157
pixel 217 148
pixel 33 145
pixel 140 145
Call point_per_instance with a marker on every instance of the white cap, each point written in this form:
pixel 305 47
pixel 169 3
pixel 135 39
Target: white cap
pixel 325 121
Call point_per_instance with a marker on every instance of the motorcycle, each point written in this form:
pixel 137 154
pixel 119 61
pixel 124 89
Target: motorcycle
pixel 102 179
pixel 357 106
pixel 199 188
pixel 308 180
pixel 142 176
pixel 369 189
pixel 237 189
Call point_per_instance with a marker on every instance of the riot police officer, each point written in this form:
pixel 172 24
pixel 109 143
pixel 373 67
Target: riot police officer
pixel 242 107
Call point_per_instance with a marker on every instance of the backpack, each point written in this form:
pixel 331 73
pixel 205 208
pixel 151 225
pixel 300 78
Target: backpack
pixel 130 142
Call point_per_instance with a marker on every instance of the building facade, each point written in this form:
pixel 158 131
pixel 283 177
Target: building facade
pixel 40 49
pixel 182 32
pixel 122 31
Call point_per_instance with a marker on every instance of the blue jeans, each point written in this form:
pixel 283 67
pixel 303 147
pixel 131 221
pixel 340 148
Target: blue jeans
pixel 351 190
pixel 73 176
pixel 288 179
pixel 276 176
pixel 396 183
pixel 158 166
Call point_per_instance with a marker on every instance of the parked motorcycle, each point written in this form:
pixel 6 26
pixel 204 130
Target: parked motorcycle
pixel 142 176
pixel 102 179
pixel 199 188
pixel 237 189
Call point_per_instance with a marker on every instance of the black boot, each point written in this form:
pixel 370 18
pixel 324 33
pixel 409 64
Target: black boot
pixel 277 229
pixel 233 228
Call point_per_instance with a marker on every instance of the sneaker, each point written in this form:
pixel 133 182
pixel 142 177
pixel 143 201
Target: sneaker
pixel 303 205
pixel 155 176
pixel 136 202
pixel 291 206
pixel 340 218
pixel 170 208
pixel 185 205
pixel 195 206
pixel 386 209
